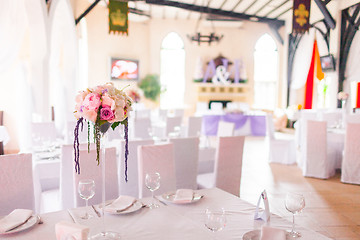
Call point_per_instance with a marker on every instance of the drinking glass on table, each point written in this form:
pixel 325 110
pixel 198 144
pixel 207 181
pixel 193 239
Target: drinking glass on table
pixel 86 191
pixel 294 203
pixel 215 219
pixel 152 182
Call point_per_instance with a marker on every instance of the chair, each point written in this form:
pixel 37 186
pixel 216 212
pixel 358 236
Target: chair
pixel 315 162
pixel 350 169
pixel 130 188
pixel 142 127
pixel 17 184
pixel 194 126
pixel 171 123
pixel 143 113
pixel 353 118
pixel 90 170
pixel 157 158
pixel 186 152
pixel 216 108
pixel 225 129
pixel 280 150
pixel 228 165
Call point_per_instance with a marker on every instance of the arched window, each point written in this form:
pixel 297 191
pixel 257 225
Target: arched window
pixel 265 73
pixel 172 72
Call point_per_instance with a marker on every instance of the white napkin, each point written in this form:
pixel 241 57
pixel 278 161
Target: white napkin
pixel 269 233
pixel 265 215
pixel 120 204
pixel 68 230
pixel 183 196
pixel 14 219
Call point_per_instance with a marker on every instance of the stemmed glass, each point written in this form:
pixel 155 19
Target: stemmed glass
pixel 86 191
pixel 215 219
pixel 294 203
pixel 152 182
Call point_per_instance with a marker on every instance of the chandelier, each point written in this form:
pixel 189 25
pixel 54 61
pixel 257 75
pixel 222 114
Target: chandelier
pixel 204 38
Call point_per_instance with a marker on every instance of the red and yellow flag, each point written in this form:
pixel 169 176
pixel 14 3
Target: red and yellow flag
pixel 315 70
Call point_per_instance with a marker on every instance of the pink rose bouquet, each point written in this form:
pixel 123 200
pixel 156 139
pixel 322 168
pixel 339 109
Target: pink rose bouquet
pixel 342 96
pixel 134 95
pixel 103 106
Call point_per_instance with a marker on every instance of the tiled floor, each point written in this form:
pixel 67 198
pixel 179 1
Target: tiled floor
pixel 332 208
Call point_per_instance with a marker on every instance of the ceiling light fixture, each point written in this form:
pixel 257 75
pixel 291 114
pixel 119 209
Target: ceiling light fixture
pixel 204 38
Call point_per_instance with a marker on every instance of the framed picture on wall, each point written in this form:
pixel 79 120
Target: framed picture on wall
pixel 124 69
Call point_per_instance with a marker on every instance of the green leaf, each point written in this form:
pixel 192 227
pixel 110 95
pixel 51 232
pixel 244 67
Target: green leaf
pixel 114 125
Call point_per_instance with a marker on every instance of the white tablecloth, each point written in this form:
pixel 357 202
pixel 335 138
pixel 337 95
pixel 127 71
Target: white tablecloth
pixel 4 135
pixel 172 221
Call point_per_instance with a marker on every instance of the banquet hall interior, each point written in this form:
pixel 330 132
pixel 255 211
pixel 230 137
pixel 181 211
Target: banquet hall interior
pixel 132 118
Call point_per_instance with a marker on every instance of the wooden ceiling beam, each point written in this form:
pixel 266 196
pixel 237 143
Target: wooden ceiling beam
pixel 208 10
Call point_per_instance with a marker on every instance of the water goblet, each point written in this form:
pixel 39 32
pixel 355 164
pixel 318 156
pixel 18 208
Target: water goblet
pixel 152 182
pixel 86 191
pixel 294 203
pixel 215 219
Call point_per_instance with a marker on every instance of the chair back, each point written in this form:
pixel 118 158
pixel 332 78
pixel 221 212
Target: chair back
pixel 1 118
pixel 157 158
pixel 131 187
pixel 350 169
pixel 216 108
pixel 228 163
pixel 194 126
pixel 141 128
pixel 89 169
pixel 314 151
pixel 225 129
pixel 171 123
pixel 186 155
pixel 270 129
pixel 353 118
pixel 17 184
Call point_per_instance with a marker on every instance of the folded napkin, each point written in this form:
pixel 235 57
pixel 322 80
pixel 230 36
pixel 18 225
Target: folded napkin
pixel 183 196
pixel 69 230
pixel 120 204
pixel 14 219
pixel 269 233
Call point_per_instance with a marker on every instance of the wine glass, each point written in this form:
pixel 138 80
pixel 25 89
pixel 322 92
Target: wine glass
pixel 86 191
pixel 152 182
pixel 294 203
pixel 215 219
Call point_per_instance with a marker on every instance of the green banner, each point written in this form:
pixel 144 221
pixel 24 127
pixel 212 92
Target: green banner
pixel 118 16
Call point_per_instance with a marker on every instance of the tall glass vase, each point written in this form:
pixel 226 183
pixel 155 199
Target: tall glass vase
pixel 104 234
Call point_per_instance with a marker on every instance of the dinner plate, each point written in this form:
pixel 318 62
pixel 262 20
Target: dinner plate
pixel 136 206
pixel 170 196
pixel 252 235
pixel 32 221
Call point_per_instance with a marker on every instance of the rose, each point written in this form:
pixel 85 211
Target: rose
pixel 106 114
pixel 91 102
pixel 89 115
pixel 107 101
pixel 342 95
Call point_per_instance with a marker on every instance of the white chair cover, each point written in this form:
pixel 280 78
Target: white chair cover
pixel 16 181
pixel 157 158
pixel 225 129
pixel 228 165
pixel 171 123
pixel 280 150
pixel 131 187
pixel 194 126
pixel 90 170
pixel 42 133
pixel 353 118
pixel 186 152
pixel 216 108
pixel 350 170
pixel 142 126
pixel 314 151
